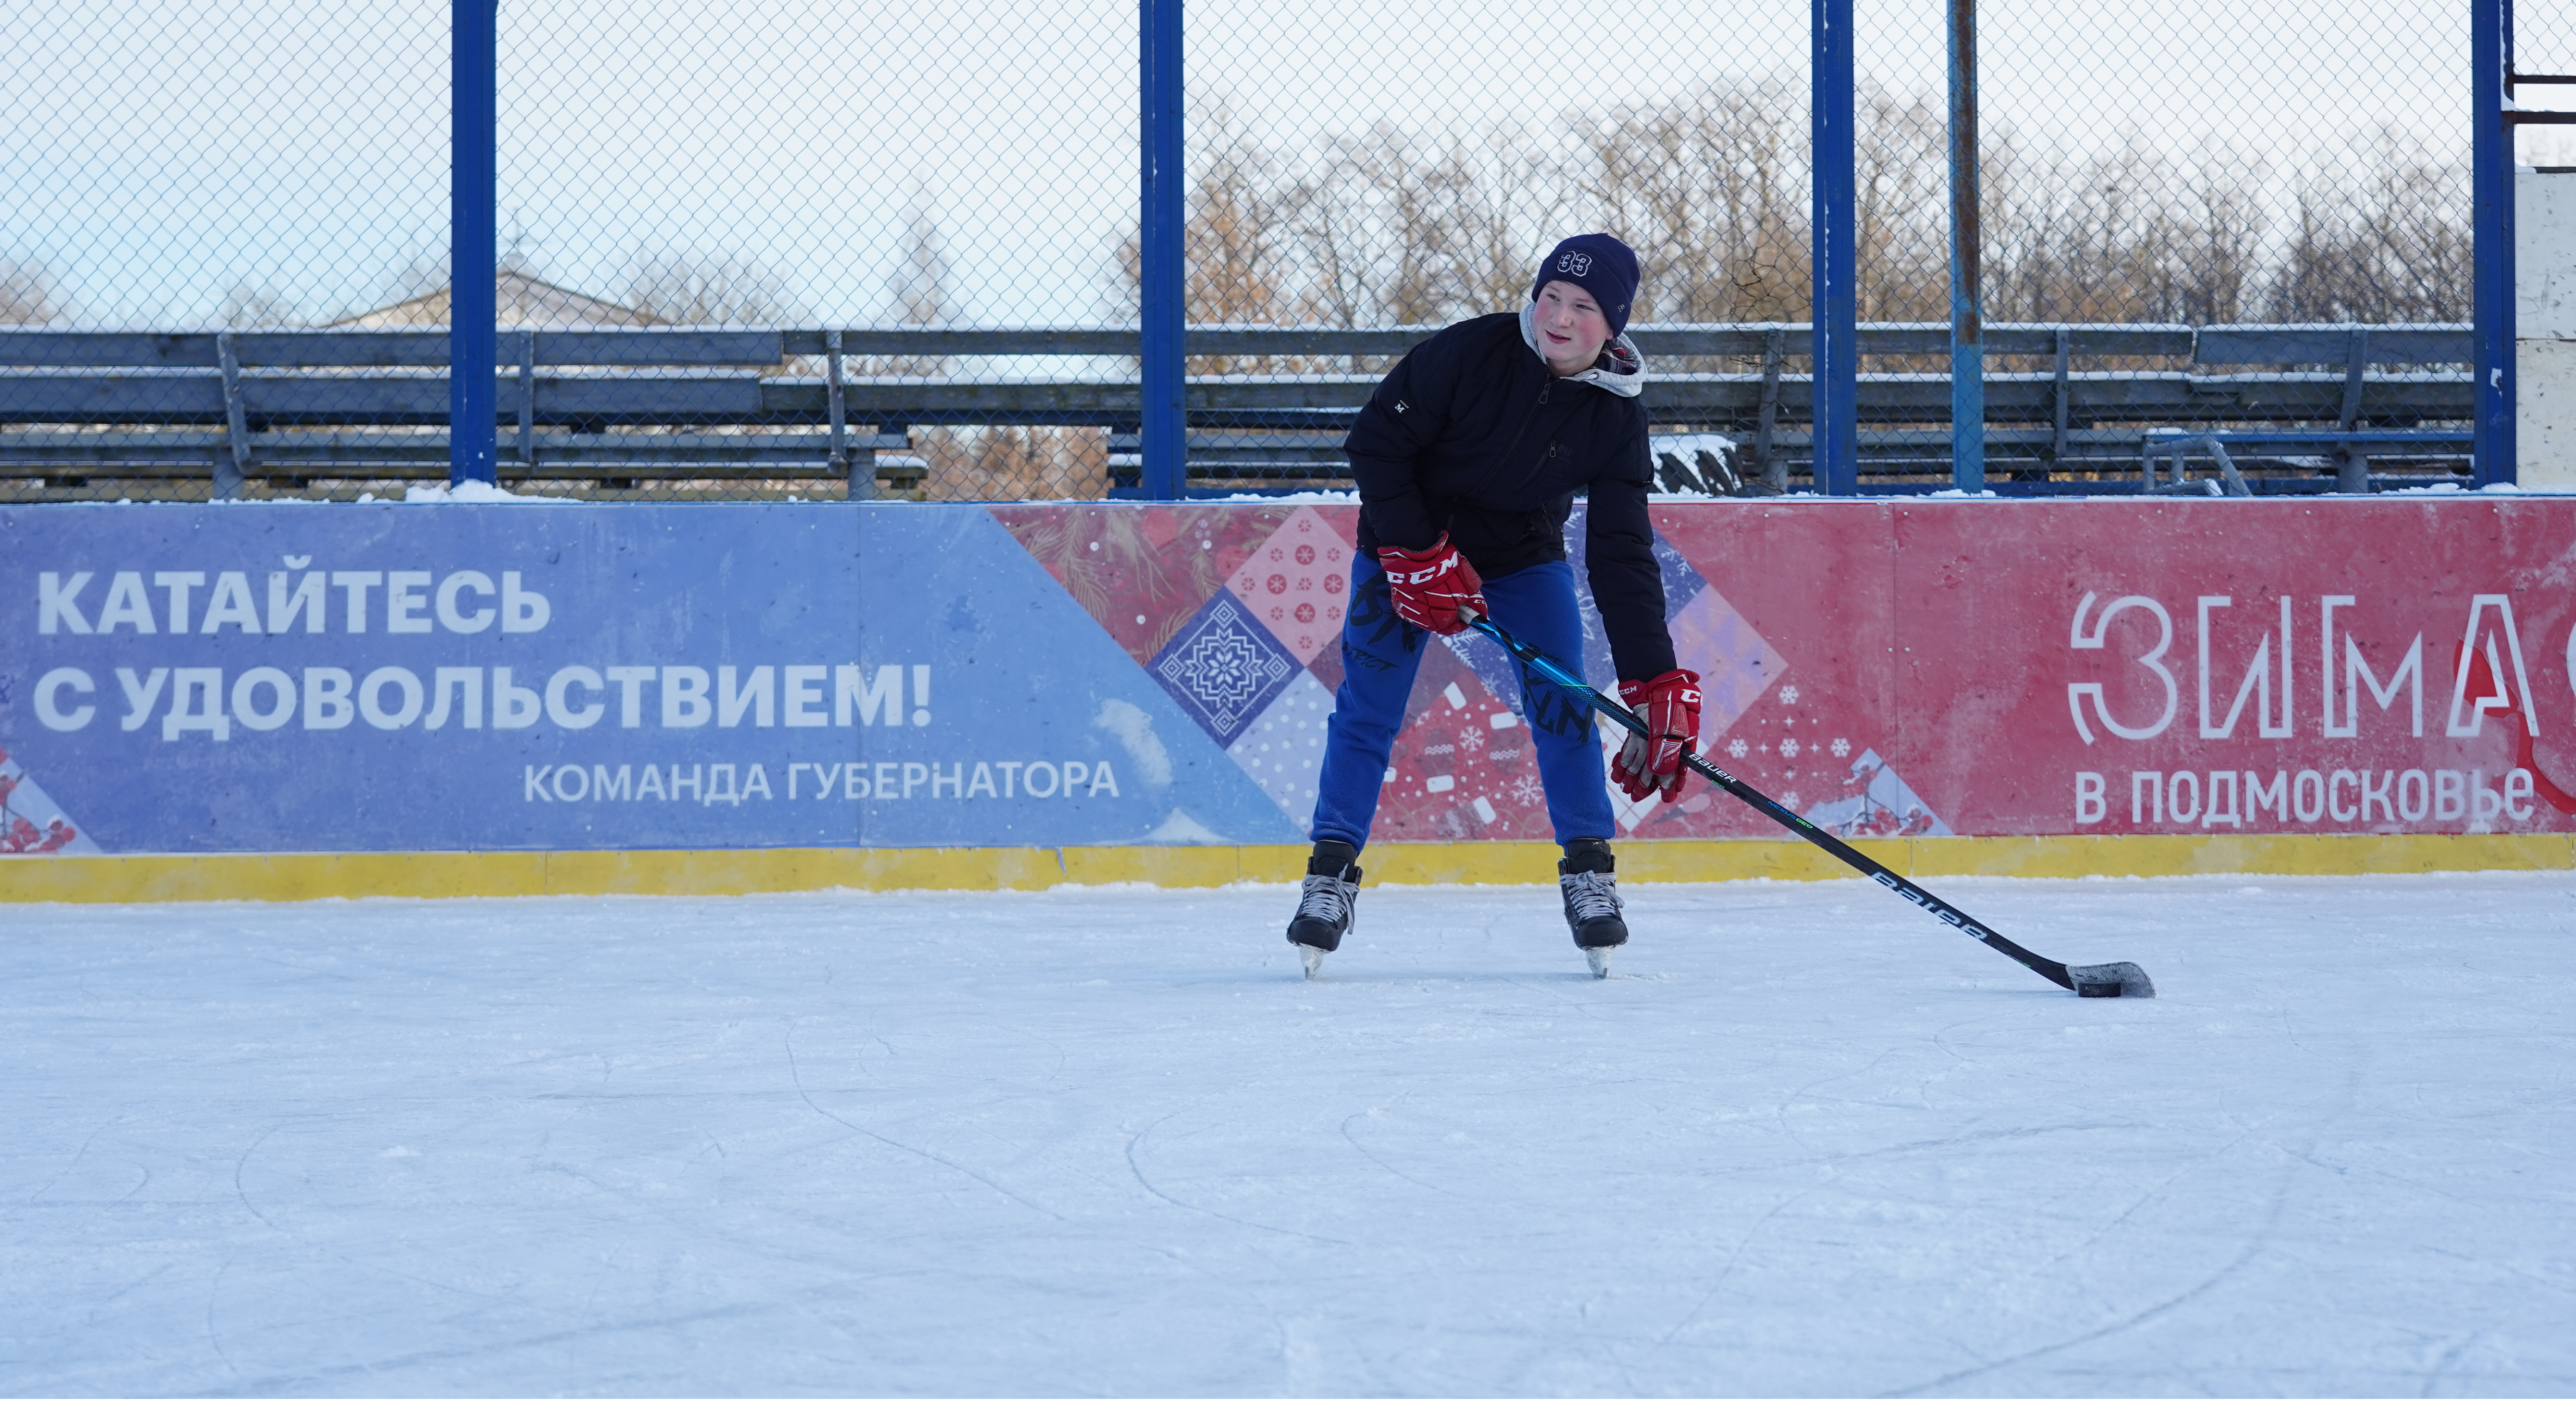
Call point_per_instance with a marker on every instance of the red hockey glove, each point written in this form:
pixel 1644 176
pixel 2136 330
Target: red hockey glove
pixel 1653 761
pixel 1430 585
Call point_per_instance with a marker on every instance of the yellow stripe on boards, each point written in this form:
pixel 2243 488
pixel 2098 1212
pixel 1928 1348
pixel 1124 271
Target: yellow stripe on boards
pixel 173 878
pixel 2173 855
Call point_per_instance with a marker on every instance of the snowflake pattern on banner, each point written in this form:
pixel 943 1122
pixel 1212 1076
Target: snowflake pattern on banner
pixel 1885 808
pixel 1297 583
pixel 1463 768
pixel 1223 667
pixel 1792 741
pixel 1283 750
pixel 1492 666
pixel 29 821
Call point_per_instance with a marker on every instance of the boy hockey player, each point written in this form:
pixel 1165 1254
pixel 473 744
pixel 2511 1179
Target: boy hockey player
pixel 1468 457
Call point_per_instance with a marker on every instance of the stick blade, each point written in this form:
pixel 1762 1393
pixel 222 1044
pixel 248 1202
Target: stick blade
pixel 2112 979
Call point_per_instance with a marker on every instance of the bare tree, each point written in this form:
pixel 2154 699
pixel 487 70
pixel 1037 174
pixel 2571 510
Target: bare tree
pixel 919 286
pixel 1339 251
pixel 2380 238
pixel 917 293
pixel 27 292
pixel 1014 463
pixel 1711 186
pixel 2212 273
pixel 1464 215
pixel 425 272
pixel 1395 225
pixel 1231 246
pixel 691 287
pixel 1903 216
pixel 1232 257
pixel 249 305
pixel 1400 225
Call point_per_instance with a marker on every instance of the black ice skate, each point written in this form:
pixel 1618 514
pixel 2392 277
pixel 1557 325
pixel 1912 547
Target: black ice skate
pixel 1587 878
pixel 1329 906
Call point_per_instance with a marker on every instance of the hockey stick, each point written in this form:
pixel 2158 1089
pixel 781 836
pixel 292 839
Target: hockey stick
pixel 2107 979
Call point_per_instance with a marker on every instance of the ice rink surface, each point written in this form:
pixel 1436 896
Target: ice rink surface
pixel 1104 1141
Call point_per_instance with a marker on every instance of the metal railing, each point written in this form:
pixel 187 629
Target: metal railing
pixel 611 412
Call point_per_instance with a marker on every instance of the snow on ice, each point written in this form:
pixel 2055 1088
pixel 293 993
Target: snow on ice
pixel 1103 1141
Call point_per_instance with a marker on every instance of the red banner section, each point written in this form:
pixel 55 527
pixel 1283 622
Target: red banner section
pixel 2342 667
pixel 2186 667
pixel 1970 667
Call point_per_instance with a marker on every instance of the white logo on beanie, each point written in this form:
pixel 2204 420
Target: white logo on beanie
pixel 1575 263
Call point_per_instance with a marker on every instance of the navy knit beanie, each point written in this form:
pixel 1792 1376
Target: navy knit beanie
pixel 1602 264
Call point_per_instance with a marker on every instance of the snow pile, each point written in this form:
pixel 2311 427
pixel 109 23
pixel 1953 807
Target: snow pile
pixel 1688 445
pixel 477 493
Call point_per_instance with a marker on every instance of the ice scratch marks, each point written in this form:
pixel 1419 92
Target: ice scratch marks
pixel 242 1193
pixel 306 1381
pixel 2254 1247
pixel 1137 1168
pixel 214 1299
pixel 2116 1327
pixel 713 1147
pixel 1049 1042
pixel 1790 1103
pixel 2150 1195
pixel 797 1078
pixel 1737 1255
pixel 2450 1360
pixel 1363 1150
pixel 2426 1218
pixel 143 1175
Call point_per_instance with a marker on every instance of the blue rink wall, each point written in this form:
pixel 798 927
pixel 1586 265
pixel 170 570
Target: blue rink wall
pixel 293 679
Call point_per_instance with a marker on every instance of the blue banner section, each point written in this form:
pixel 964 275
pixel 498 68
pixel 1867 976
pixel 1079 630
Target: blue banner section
pixel 300 678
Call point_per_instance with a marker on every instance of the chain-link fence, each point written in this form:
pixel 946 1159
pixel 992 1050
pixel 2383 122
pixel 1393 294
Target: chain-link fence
pixel 768 249
pixel 188 169
pixel 2172 162
pixel 2545 45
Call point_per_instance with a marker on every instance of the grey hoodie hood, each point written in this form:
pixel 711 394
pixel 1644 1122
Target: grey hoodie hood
pixel 1626 375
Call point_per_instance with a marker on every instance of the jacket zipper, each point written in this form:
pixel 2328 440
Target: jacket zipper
pixel 1523 430
pixel 1526 418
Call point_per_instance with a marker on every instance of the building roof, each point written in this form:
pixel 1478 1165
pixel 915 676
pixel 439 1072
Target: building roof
pixel 525 302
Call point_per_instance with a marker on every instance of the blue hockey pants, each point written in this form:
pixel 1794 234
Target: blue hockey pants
pixel 1380 654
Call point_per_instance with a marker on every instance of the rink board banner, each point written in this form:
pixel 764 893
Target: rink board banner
pixel 188 679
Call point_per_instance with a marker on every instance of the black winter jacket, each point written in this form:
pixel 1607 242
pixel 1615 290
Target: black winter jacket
pixel 1473 435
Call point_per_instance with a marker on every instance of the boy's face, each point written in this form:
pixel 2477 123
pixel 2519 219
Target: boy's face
pixel 1571 326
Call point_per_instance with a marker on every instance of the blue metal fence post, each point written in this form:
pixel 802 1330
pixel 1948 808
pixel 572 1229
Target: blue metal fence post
pixel 1162 376
pixel 2491 157
pixel 473 235
pixel 1837 373
pixel 1967 279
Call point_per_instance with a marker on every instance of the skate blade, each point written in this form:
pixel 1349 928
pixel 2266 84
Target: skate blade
pixel 1314 959
pixel 1599 958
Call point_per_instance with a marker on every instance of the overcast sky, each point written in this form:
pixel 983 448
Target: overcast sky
pixel 160 153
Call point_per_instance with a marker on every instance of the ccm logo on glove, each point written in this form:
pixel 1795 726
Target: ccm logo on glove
pixel 1430 586
pixel 1653 761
